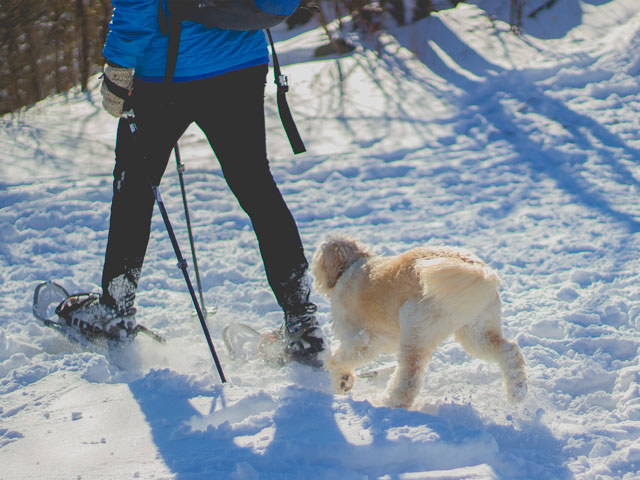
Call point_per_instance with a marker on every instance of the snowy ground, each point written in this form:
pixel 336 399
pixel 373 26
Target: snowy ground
pixel 524 150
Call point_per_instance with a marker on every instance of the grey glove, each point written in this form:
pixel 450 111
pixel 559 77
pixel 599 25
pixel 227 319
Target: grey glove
pixel 117 84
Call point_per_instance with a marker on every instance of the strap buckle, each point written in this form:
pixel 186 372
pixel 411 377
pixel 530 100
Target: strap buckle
pixel 283 83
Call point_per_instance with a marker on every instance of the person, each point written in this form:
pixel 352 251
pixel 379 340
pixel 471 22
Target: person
pixel 219 84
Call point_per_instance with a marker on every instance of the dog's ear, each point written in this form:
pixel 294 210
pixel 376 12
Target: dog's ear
pixel 332 258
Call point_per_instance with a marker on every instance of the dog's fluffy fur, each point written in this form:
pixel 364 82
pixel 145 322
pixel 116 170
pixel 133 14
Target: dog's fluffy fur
pixel 409 304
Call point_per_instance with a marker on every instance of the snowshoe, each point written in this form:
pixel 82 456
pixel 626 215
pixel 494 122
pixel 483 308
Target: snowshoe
pixel 82 319
pixel 245 343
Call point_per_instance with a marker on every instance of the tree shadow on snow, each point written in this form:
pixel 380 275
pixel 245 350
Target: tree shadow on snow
pixel 31 132
pixel 301 433
pixel 494 104
pixel 549 20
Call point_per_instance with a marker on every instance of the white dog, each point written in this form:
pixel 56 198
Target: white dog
pixel 409 304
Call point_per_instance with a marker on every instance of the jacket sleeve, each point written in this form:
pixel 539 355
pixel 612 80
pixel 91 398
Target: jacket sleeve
pixel 278 7
pixel 133 25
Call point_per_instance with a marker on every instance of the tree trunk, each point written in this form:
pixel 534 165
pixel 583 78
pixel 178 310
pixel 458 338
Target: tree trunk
pixel 83 57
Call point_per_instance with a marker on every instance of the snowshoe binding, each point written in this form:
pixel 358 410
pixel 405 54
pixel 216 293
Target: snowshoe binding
pixel 83 319
pixel 93 319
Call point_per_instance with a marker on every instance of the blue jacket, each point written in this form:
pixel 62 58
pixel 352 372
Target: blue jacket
pixel 135 41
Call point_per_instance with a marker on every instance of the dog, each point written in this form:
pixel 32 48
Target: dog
pixel 409 304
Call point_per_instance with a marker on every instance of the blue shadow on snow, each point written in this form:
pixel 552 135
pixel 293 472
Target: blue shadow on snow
pixel 307 441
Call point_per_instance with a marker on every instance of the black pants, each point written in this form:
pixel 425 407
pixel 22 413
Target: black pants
pixel 230 111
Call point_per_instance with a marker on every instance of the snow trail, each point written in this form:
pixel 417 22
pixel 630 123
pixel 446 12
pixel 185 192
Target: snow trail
pixel 522 149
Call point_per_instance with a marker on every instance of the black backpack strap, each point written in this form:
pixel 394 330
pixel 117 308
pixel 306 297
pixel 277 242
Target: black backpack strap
pixel 175 28
pixel 162 19
pixel 283 107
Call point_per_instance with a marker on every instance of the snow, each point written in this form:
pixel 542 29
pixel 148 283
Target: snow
pixel 452 131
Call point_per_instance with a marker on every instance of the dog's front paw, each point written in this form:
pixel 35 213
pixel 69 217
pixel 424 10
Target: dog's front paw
pixel 343 381
pixel 346 382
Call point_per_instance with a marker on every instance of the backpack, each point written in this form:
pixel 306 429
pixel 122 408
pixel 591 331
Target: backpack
pixel 233 15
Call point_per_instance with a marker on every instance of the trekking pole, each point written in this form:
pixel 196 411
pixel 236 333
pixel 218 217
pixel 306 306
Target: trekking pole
pixel 182 263
pixel 180 168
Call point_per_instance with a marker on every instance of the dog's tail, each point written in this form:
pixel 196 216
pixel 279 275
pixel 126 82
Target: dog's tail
pixel 461 288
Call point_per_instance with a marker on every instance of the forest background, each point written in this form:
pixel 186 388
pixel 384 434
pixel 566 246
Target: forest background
pixel 49 46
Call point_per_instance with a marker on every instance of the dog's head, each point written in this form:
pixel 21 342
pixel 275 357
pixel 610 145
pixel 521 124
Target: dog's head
pixel 333 257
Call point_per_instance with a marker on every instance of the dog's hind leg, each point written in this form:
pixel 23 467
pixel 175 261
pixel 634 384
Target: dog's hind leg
pixel 484 340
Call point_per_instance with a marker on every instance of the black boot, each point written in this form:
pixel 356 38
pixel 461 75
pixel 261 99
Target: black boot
pixel 299 338
pixel 302 336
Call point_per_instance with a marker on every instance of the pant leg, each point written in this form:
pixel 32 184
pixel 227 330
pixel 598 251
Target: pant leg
pixel 233 121
pixel 161 123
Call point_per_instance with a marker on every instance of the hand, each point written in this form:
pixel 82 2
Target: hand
pixel 117 85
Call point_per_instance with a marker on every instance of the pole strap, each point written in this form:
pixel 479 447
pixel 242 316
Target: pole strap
pixel 117 90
